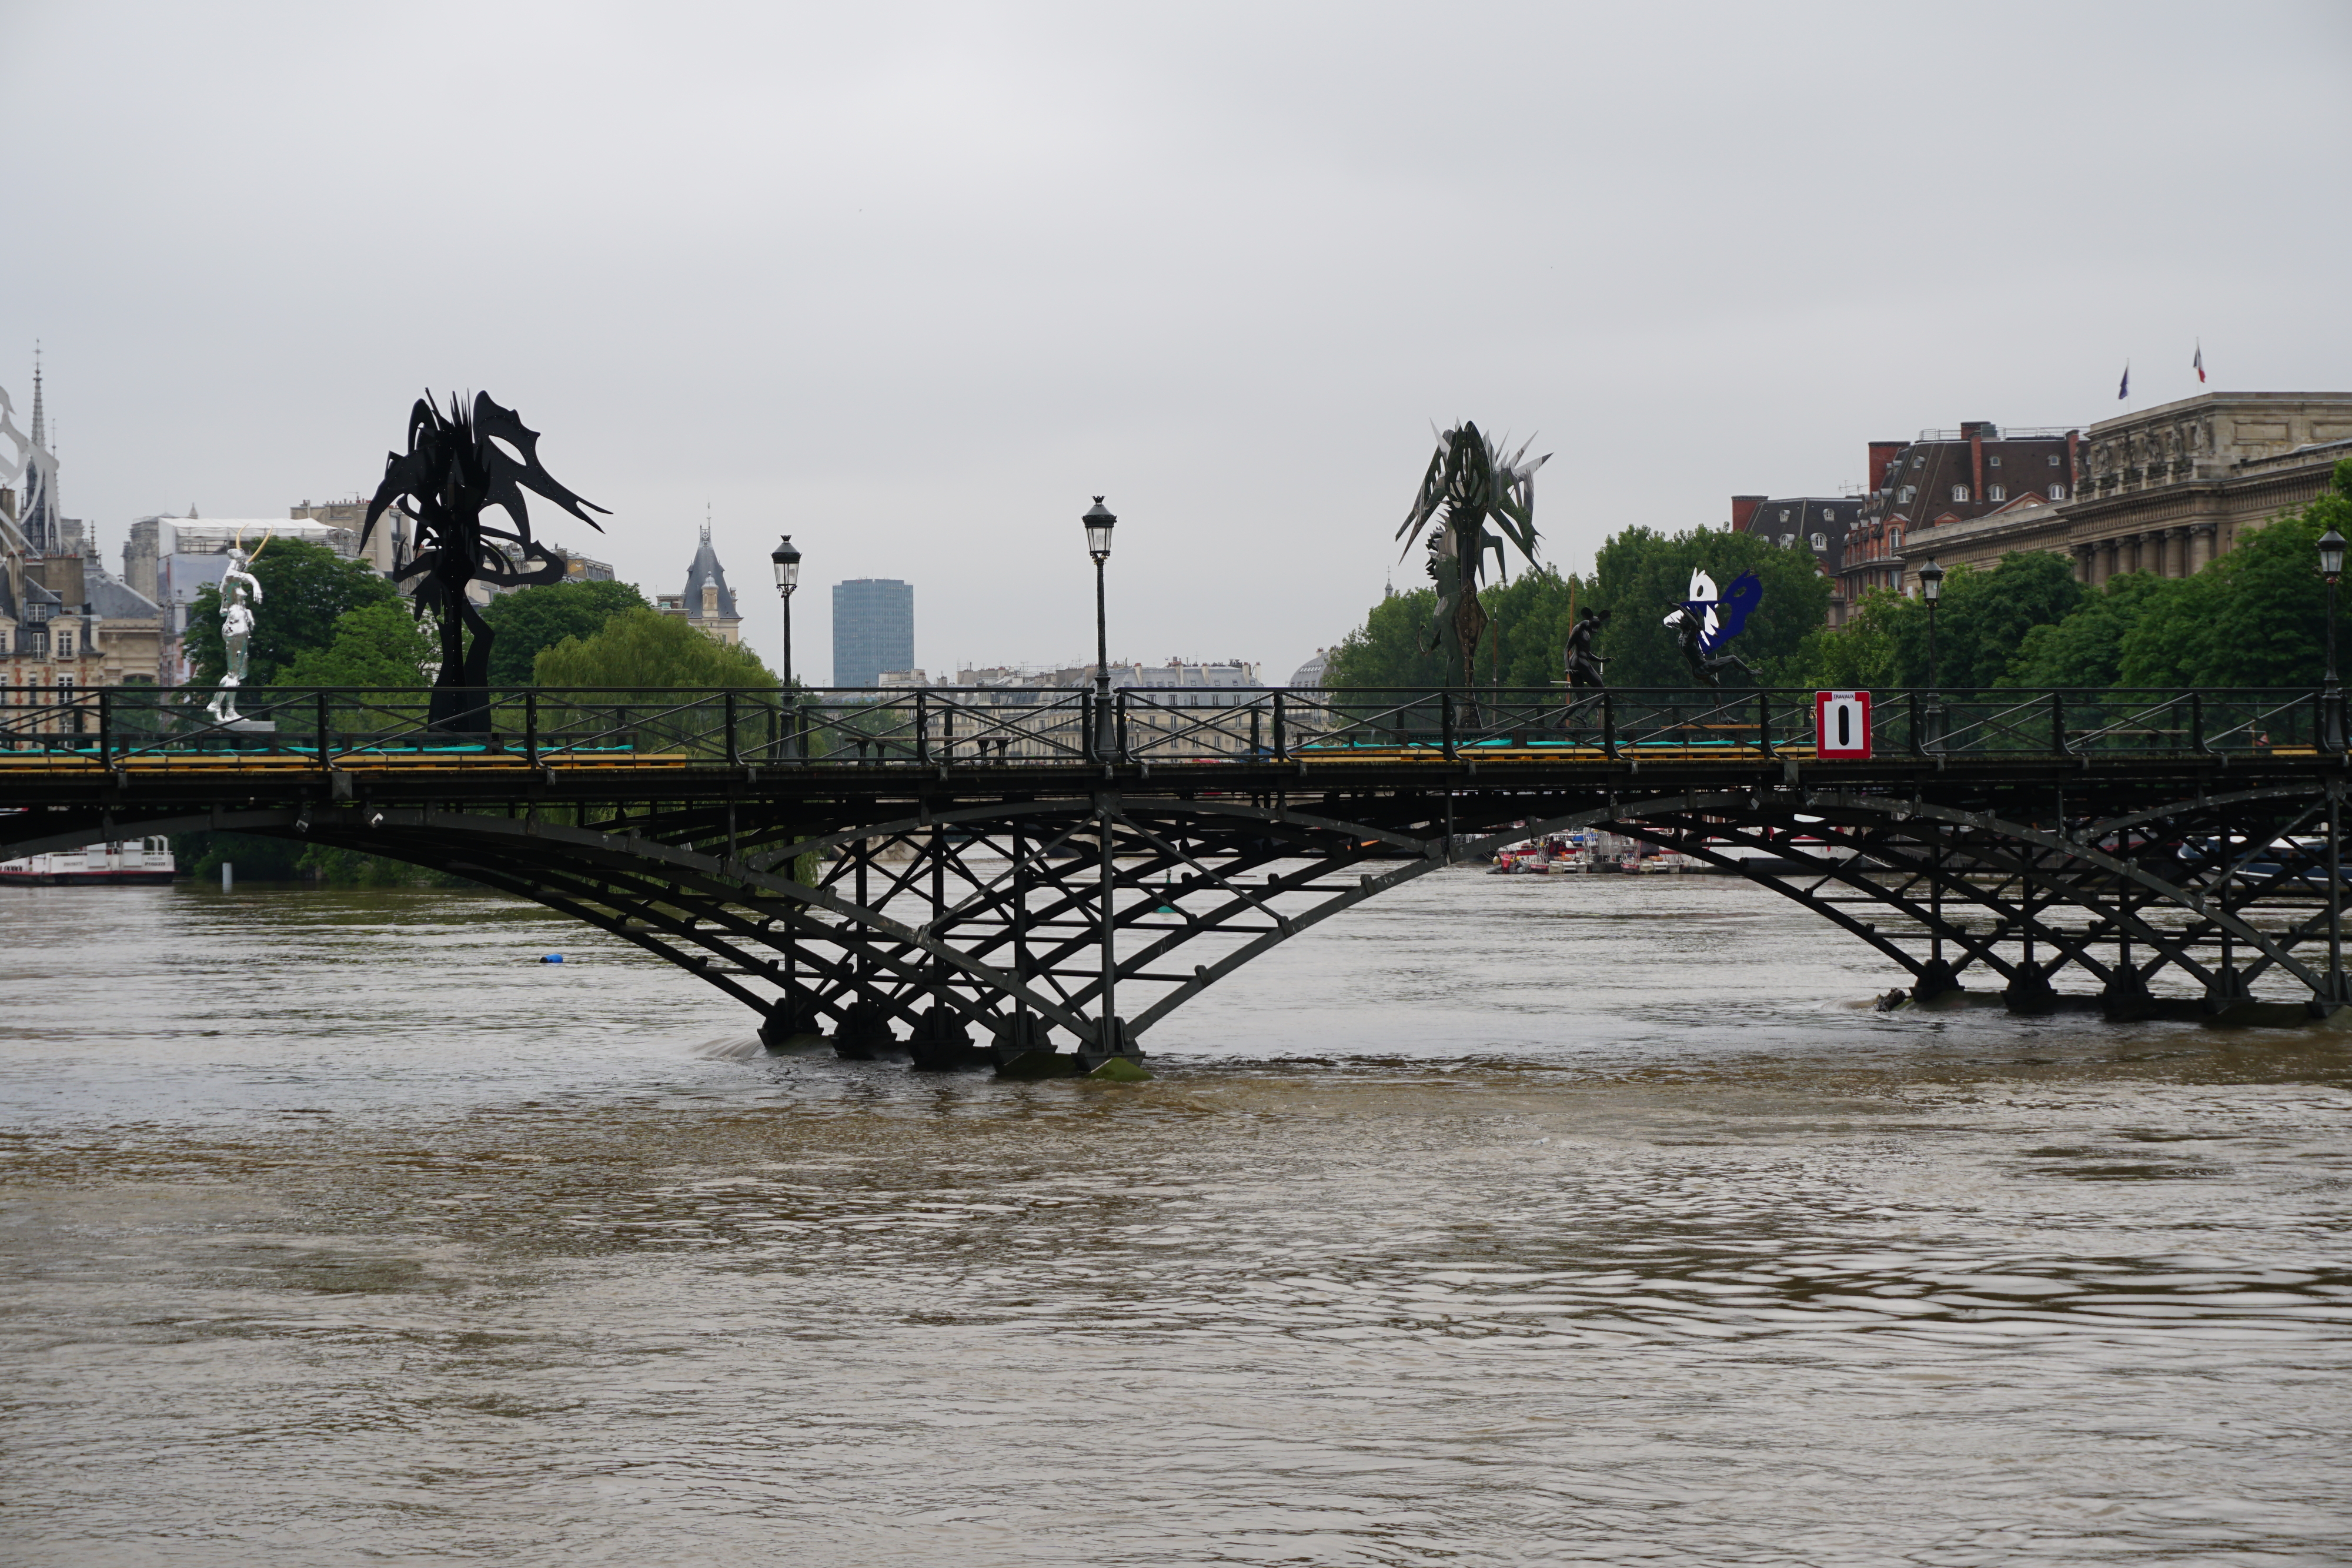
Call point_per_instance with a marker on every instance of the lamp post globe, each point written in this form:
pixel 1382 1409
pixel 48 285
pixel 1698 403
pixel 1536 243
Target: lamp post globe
pixel 1099 520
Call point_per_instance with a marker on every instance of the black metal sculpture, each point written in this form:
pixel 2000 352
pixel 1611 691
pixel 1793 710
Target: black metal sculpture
pixel 1584 665
pixel 1470 480
pixel 458 464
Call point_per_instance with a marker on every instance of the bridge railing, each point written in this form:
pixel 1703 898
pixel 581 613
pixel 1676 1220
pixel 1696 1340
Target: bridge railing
pixel 131 726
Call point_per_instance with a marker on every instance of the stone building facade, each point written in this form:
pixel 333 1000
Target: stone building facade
pixel 2166 490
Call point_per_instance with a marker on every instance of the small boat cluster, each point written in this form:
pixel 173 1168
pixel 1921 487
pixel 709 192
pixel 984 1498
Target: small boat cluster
pixel 1577 853
pixel 1558 854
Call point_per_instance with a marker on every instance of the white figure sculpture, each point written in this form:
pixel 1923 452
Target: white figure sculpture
pixel 240 591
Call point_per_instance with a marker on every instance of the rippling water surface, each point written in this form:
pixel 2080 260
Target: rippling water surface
pixel 1505 1220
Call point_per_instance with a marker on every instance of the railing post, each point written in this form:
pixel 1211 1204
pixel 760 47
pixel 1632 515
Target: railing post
pixel 1445 723
pixel 105 728
pixel 1281 731
pixel 1256 731
pixel 319 720
pixel 1609 727
pixel 1919 734
pixel 1764 722
pixel 734 755
pixel 2196 722
pixel 1118 727
pixel 1087 737
pixel 922 728
pixel 531 729
pixel 2058 723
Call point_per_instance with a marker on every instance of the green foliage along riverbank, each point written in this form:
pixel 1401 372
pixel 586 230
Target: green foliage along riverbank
pixel 2253 617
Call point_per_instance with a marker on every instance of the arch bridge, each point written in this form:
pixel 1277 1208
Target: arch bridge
pixel 983 875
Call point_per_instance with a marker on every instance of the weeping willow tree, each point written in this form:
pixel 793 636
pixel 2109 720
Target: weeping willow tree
pixel 1470 483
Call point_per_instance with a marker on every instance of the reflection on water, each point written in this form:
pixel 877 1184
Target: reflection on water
pixel 1504 1221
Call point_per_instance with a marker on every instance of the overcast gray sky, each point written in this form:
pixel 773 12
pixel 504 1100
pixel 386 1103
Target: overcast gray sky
pixel 914 281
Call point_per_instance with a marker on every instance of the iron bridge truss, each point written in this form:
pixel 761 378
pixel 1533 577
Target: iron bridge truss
pixel 1076 882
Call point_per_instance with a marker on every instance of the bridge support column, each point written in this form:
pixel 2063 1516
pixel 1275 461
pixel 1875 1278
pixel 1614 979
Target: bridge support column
pixel 2030 996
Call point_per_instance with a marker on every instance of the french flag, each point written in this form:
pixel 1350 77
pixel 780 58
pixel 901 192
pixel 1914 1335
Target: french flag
pixel 2198 364
pixel 2124 391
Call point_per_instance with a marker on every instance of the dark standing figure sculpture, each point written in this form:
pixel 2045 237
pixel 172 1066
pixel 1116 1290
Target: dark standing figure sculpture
pixel 457 465
pixel 1584 665
pixel 1468 482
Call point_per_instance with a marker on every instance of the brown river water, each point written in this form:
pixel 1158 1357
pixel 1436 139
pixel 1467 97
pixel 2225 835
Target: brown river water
pixel 1504 1220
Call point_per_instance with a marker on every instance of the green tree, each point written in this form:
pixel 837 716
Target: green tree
pixel 1641 574
pixel 1985 617
pixel 2085 649
pixel 646 648
pixel 1385 651
pixel 373 645
pixel 1529 620
pixel 2255 617
pixel 305 590
pixel 532 618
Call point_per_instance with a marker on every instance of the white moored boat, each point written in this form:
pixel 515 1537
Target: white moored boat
pixel 129 861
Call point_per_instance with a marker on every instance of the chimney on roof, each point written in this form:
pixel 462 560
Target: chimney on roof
pixel 1884 455
pixel 1743 508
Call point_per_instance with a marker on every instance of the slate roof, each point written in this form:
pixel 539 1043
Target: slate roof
pixel 706 569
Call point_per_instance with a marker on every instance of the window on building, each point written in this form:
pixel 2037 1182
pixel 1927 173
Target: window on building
pixel 1996 492
pixel 37 642
pixel 1902 496
pixel 1993 462
pixel 1821 541
pixel 1784 514
pixel 1787 539
pixel 2057 492
pixel 2053 460
pixel 1960 492
pixel 65 644
pixel 1918 463
pixel 1894 540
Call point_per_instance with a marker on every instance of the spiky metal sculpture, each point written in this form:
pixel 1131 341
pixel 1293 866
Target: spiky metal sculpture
pixel 458 464
pixel 1470 481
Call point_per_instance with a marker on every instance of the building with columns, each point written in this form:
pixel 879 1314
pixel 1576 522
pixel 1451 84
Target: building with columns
pixel 2165 490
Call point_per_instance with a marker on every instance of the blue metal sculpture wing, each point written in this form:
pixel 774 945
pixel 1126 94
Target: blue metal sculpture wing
pixel 1731 611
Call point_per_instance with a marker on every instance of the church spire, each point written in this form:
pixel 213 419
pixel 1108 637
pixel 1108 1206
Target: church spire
pixel 40 435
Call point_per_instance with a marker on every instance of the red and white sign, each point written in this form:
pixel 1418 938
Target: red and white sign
pixel 1842 725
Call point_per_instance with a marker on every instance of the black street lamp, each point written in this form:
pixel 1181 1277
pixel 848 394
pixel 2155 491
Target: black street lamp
pixel 2331 567
pixel 1931 589
pixel 1099 523
pixel 787 562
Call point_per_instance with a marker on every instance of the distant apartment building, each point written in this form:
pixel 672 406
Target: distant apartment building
pixel 873 630
pixel 1816 524
pixel 1943 479
pixel 708 603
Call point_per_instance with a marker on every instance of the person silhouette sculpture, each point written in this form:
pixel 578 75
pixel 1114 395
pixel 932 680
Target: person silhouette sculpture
pixel 1584 665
